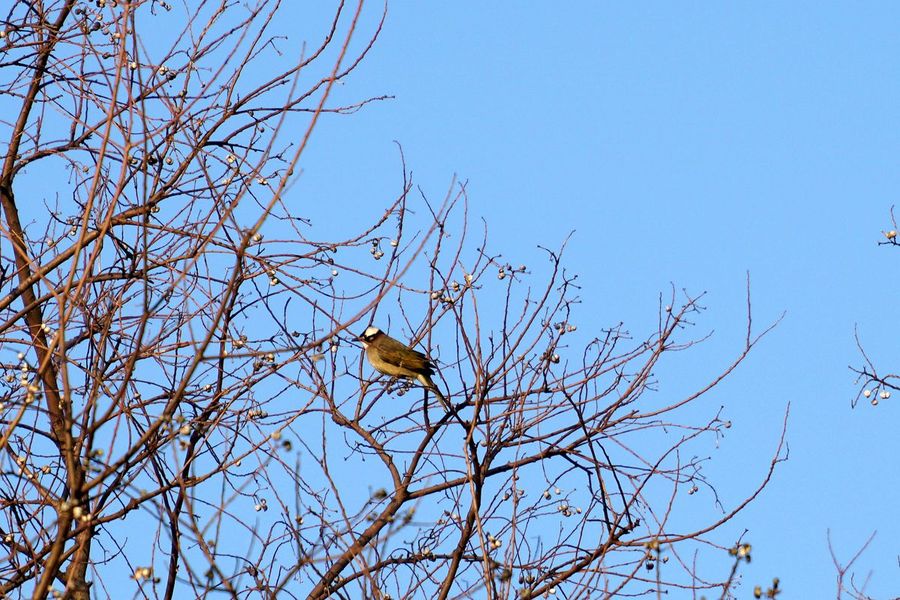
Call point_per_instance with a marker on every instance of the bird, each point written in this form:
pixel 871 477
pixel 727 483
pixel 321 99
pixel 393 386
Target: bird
pixel 394 358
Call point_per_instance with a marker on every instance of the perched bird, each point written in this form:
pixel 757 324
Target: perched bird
pixel 396 359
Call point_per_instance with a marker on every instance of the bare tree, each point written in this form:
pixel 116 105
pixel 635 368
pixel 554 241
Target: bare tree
pixel 184 410
pixel 876 384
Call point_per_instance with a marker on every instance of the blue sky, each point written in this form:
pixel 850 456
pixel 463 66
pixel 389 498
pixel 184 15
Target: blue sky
pixel 684 144
pixel 675 146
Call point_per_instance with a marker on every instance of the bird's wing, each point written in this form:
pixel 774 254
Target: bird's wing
pixel 400 354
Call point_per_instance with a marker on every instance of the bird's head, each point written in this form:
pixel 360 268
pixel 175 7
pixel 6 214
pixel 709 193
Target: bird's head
pixel 369 335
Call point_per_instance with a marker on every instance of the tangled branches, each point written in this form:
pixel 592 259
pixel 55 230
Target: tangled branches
pixel 186 406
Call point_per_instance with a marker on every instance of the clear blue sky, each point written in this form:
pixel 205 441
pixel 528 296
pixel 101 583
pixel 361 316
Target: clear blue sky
pixel 683 143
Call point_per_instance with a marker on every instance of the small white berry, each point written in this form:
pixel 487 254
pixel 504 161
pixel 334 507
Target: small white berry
pixel 867 393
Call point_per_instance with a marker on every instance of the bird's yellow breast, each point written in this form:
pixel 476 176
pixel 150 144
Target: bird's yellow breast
pixel 386 367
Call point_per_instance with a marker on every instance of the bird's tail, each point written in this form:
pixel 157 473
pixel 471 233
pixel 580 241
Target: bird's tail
pixel 426 381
